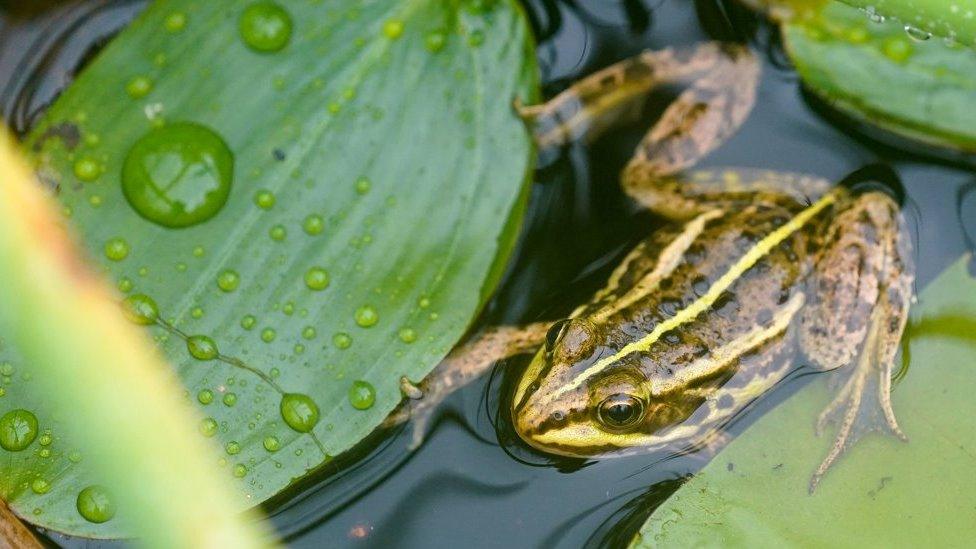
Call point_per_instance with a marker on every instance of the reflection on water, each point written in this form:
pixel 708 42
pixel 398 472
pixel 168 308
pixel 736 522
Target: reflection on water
pixel 473 479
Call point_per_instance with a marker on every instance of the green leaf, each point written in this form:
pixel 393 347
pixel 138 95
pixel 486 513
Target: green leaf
pixel 954 19
pixel 875 72
pixel 378 181
pixel 883 492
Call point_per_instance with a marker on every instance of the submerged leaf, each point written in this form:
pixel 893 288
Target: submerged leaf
pixel 878 73
pixel 280 193
pixel 883 492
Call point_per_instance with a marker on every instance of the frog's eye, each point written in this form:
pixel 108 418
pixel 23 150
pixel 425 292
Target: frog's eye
pixel 620 411
pixel 556 330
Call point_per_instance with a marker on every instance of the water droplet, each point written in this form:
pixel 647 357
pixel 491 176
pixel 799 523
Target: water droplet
pixel 268 335
pixel 198 251
pixel 277 233
pixel 897 49
pixel 202 347
pixel 272 444
pixel 363 185
pixel 74 456
pixel 196 312
pixel 288 309
pixel 87 169
pixel 178 175
pixel 435 41
pixel 205 396
pixel 233 448
pixel 313 224
pixel 230 399
pixel 228 280
pixel 95 201
pixel 116 249
pixel 44 453
pixel 299 411
pixel 40 486
pixel 407 335
pixel 139 87
pixel 265 27
pixel 181 267
pixel 240 470
pixel 6 369
pixel 342 340
pixel 873 15
pixel 308 332
pixel 917 34
pixel 393 29
pixel 423 303
pixel 140 309
pixel 45 439
pixel 362 395
pixel 18 429
pixel 125 285
pixel 299 348
pixel 317 279
pixel 95 504
pixel 175 22
pixel 208 427
pixel 264 199
pixel 366 316
pixel 248 322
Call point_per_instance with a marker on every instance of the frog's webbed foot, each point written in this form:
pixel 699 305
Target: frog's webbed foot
pixel 463 365
pixel 861 293
pixel 861 406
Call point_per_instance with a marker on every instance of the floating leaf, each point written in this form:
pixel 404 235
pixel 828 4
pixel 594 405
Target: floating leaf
pixel 278 199
pixel 955 19
pixel 876 72
pixel 882 493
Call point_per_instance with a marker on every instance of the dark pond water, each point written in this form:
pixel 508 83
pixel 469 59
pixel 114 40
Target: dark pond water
pixel 472 483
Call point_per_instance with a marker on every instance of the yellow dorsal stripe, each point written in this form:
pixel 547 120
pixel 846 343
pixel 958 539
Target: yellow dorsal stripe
pixel 703 303
pixel 719 359
pixel 668 261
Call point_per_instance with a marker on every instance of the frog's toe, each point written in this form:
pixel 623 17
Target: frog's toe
pixel 861 406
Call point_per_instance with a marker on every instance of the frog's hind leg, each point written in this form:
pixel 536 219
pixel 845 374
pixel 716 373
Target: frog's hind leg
pixel 721 79
pixel 463 365
pixel 861 292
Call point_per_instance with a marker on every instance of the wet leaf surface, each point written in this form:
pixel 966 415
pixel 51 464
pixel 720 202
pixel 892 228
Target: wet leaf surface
pixel 877 72
pixel 318 202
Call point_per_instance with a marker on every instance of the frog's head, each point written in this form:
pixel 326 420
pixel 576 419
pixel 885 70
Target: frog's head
pixel 568 403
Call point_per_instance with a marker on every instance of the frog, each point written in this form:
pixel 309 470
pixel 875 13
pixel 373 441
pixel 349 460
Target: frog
pixel 754 274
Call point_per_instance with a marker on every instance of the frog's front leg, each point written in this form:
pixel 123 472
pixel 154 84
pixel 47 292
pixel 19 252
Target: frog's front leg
pixel 853 322
pixel 463 365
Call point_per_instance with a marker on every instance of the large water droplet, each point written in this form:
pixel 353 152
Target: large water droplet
pixel 116 249
pixel 95 504
pixel 18 429
pixel 208 427
pixel 265 27
pixel 366 316
pixel 141 309
pixel 228 280
pixel 178 175
pixel 317 279
pixel 362 395
pixel 917 34
pixel 202 347
pixel 299 411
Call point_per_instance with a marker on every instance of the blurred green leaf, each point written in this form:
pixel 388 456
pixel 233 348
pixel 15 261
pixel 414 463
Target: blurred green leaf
pixel 877 73
pixel 882 493
pixel 378 185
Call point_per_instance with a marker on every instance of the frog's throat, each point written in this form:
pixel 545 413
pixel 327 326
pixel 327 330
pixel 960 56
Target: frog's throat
pixel 703 303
